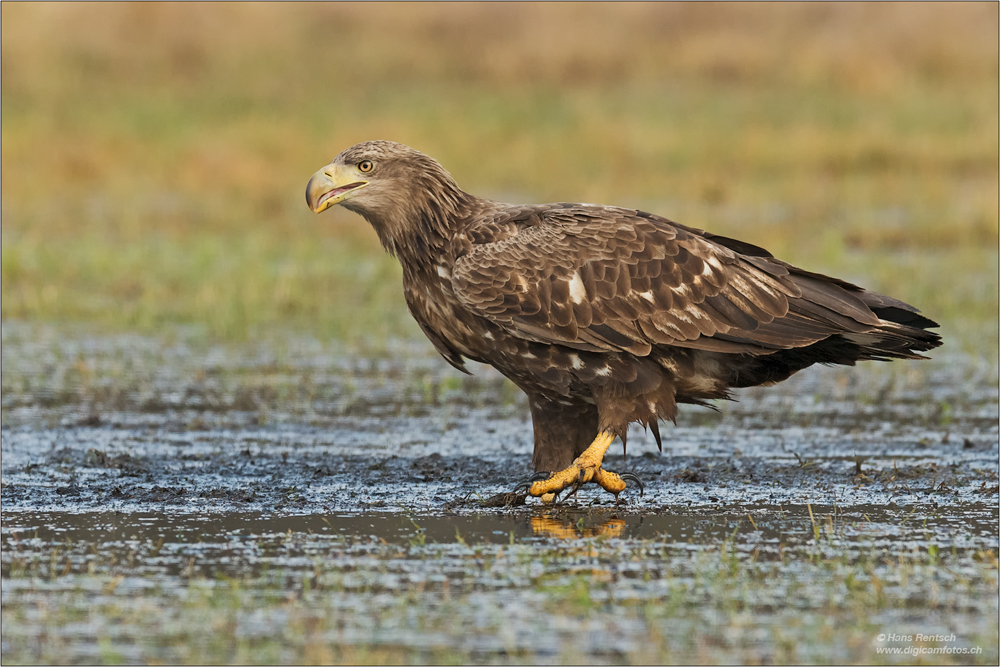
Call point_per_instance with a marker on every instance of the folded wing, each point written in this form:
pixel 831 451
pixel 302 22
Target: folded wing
pixel 604 278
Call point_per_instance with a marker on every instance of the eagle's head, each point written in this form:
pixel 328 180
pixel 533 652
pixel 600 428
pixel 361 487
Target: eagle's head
pixel 393 186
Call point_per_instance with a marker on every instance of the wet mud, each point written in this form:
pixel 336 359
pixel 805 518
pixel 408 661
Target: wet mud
pixel 296 501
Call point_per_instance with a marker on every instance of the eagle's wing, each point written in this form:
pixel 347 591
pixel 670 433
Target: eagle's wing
pixel 605 278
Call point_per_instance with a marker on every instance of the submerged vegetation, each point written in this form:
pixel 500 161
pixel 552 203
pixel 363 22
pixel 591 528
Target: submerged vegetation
pixel 769 591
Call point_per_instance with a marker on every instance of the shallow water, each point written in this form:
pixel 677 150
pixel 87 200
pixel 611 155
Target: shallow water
pixel 167 500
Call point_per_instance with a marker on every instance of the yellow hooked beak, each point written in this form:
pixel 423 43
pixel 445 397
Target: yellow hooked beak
pixel 331 185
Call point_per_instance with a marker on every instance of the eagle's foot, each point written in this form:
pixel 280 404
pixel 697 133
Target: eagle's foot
pixel 630 477
pixel 586 468
pixel 524 485
pixel 575 476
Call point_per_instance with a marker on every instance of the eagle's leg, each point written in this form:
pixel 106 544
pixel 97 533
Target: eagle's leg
pixel 563 430
pixel 586 468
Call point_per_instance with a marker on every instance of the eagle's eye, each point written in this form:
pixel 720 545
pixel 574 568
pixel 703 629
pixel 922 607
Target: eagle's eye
pixel 365 166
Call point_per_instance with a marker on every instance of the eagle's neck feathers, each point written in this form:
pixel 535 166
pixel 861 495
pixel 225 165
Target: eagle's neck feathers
pixel 419 222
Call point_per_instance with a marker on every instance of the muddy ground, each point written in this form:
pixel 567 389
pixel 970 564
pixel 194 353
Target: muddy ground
pixel 166 500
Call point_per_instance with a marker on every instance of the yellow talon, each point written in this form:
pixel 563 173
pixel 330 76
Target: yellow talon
pixel 586 468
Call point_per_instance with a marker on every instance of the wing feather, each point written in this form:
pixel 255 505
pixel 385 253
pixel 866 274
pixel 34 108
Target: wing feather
pixel 605 278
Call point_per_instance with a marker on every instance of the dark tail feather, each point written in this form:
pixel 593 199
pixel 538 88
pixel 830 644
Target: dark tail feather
pixel 894 310
pixel 909 318
pixel 900 334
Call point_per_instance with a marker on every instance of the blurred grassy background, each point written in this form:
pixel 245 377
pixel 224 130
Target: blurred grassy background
pixel 155 156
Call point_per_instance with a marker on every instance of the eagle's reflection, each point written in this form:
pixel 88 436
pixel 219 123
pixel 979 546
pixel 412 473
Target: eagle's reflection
pixel 569 527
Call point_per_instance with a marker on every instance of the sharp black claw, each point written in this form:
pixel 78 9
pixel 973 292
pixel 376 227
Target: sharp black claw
pixel 631 477
pixel 525 484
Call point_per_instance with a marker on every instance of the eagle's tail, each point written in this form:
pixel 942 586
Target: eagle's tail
pixel 901 333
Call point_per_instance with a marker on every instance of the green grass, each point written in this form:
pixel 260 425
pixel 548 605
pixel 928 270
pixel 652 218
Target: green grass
pixel 154 158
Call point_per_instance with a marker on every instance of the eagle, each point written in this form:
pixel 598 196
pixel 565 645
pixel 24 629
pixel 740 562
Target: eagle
pixel 602 315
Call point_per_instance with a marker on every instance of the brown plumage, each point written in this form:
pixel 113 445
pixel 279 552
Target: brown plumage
pixel 603 315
